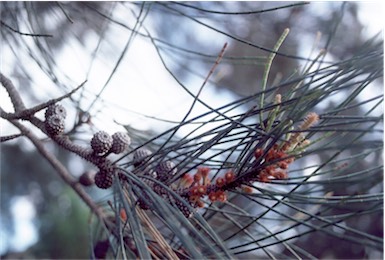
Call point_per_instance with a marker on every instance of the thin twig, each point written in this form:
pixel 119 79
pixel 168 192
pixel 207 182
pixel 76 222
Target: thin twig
pixel 9 137
pixel 24 34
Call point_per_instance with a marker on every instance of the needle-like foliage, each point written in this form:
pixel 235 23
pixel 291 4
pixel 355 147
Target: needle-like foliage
pixel 297 159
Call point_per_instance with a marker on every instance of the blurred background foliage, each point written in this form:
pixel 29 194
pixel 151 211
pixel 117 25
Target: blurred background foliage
pixel 182 31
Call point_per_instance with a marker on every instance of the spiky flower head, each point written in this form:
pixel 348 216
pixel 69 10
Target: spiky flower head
pixel 101 142
pixel 120 142
pixel 54 125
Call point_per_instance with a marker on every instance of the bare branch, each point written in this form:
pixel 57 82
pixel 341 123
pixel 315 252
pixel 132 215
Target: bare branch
pixel 27 113
pixel 24 34
pixel 16 100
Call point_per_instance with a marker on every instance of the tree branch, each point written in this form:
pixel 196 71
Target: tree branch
pixel 61 170
pixel 26 113
pixel 16 100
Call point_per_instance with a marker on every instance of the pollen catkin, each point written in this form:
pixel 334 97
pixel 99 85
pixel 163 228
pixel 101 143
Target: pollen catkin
pixel 120 142
pixel 101 142
pixel 310 120
pixel 54 125
pixel 278 99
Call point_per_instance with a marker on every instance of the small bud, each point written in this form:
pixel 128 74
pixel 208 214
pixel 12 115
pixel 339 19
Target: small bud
pixel 87 178
pixel 201 190
pixel 220 182
pixel 278 99
pixel 213 196
pixel 258 153
pixel 229 176
pixel 222 196
pixel 123 214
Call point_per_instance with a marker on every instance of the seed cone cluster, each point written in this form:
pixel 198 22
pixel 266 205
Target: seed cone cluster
pixel 54 119
pixel 102 145
pixel 196 190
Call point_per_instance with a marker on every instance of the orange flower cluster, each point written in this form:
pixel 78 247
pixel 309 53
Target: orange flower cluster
pixel 277 161
pixel 200 186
